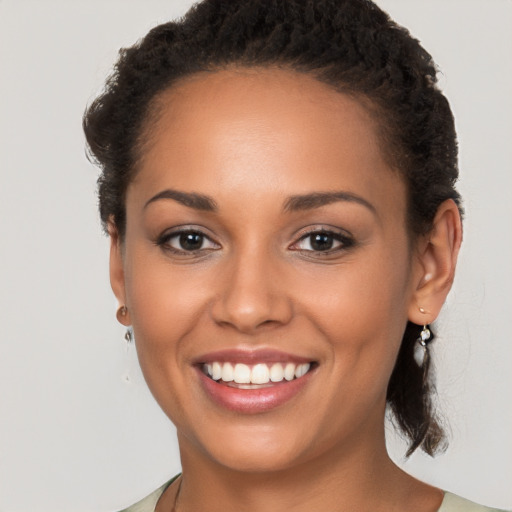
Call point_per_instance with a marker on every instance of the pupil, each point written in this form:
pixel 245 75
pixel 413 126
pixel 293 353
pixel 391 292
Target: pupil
pixel 191 241
pixel 321 242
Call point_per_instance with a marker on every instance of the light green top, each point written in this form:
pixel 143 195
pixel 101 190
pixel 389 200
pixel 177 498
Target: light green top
pixel 148 504
pixel 451 503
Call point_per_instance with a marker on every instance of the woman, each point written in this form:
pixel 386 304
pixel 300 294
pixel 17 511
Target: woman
pixel 278 185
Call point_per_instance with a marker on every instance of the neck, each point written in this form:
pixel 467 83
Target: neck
pixel 356 476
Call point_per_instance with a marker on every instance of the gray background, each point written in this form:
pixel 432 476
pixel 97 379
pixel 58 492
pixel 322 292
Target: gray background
pixel 78 429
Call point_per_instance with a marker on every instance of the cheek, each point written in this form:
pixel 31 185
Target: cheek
pixel 166 307
pixel 166 304
pixel 361 308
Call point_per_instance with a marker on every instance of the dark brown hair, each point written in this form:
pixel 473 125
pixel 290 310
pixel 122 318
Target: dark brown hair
pixel 351 45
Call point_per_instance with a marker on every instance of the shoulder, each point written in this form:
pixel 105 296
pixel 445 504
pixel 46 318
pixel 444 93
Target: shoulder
pixel 454 503
pixel 148 503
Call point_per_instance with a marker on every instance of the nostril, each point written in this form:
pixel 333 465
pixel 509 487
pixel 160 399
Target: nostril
pixel 248 320
pixel 249 297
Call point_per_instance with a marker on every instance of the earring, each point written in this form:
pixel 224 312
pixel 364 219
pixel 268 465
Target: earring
pixel 421 347
pixel 121 313
pixel 128 336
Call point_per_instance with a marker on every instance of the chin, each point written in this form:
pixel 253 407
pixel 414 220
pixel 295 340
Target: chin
pixel 255 448
pixel 256 459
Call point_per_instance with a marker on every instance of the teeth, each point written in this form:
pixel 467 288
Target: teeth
pixel 227 372
pixel 260 373
pixel 242 374
pixel 216 371
pixel 289 371
pixel 301 370
pixel 277 372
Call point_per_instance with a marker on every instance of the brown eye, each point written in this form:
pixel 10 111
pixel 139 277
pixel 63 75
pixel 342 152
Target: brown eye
pixel 191 241
pixel 320 241
pixel 323 241
pixel 186 241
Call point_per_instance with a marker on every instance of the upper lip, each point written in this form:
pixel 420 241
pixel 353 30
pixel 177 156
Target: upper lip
pixel 250 356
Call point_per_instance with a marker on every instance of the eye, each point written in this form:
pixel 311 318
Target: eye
pixel 186 241
pixel 323 241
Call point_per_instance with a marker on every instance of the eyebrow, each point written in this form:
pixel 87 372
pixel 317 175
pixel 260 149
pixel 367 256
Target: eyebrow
pixel 190 199
pixel 318 199
pixel 292 204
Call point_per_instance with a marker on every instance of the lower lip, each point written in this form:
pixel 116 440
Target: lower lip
pixel 252 401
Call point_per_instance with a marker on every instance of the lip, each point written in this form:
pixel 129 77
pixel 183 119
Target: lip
pixel 247 356
pixel 251 401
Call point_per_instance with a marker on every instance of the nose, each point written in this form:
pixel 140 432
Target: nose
pixel 252 294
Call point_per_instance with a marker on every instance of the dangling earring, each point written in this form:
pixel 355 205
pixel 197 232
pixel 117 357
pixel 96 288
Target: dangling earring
pixel 121 313
pixel 421 348
pixel 128 336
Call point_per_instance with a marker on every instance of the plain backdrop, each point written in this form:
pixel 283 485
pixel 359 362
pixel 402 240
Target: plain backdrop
pixel 79 431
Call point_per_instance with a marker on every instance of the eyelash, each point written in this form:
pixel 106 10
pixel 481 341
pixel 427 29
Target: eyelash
pixel 164 240
pixel 345 242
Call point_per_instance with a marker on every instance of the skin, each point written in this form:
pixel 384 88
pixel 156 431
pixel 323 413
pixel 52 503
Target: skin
pixel 250 140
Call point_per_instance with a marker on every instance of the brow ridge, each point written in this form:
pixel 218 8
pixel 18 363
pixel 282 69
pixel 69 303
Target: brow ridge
pixel 319 199
pixel 189 199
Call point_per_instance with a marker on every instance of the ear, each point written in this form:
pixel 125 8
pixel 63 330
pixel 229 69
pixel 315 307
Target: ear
pixel 436 258
pixel 117 272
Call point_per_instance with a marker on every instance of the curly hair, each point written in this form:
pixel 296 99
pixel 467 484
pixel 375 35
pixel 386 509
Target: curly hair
pixel 351 45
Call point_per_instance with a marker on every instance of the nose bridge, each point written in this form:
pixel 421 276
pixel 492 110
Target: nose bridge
pixel 252 293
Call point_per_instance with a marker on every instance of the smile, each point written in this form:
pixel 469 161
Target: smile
pixel 240 374
pixel 253 382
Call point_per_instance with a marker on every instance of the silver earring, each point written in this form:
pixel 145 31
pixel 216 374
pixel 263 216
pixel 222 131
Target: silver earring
pixel 128 336
pixel 421 346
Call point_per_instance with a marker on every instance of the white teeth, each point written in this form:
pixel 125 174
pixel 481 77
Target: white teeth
pixel 242 374
pixel 216 371
pixel 227 372
pixel 301 370
pixel 276 372
pixel 289 371
pixel 260 373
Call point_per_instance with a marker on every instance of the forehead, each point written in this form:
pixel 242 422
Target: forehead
pixel 262 128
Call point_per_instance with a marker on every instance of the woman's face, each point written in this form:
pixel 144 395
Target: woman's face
pixel 266 236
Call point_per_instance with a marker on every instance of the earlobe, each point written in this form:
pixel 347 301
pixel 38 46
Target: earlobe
pixel 437 257
pixel 117 273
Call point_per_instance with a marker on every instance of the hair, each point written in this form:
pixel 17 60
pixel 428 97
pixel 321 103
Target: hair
pixel 351 45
